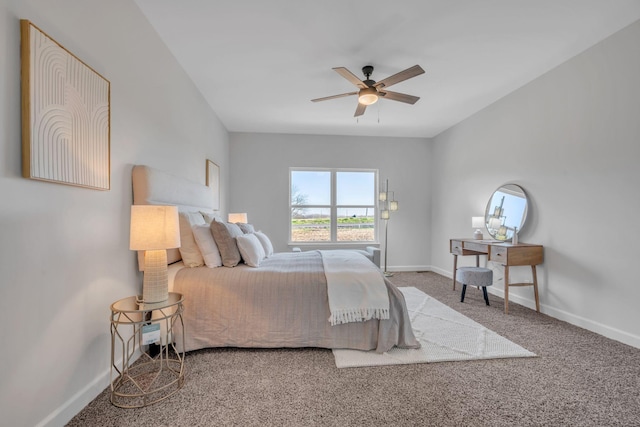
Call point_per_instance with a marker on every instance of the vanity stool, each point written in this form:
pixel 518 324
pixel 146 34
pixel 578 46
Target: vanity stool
pixel 475 276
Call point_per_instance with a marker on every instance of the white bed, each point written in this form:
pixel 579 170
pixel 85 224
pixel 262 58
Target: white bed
pixel 282 303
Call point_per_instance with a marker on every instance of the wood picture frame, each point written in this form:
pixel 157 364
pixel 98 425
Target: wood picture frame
pixel 213 181
pixel 66 115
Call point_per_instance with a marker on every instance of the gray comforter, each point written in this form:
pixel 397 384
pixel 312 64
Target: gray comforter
pixel 283 303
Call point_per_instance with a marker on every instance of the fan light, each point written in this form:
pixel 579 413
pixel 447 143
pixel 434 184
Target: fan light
pixel 368 96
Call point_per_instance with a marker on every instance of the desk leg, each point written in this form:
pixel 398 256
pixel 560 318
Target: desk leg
pixel 535 287
pixel 506 289
pixel 455 268
pixel 477 260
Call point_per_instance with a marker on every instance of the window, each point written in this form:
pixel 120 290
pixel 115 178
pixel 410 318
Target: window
pixel 333 205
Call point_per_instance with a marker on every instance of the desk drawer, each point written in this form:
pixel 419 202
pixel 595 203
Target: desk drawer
pixel 456 247
pixel 516 254
pixel 499 254
pixel 477 247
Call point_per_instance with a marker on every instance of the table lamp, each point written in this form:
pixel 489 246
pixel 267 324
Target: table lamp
pixel 477 222
pixel 154 229
pixel 237 218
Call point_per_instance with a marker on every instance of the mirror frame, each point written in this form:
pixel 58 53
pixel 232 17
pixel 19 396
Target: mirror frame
pixel 493 212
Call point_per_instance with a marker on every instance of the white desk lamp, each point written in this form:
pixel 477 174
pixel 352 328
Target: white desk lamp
pixel 477 222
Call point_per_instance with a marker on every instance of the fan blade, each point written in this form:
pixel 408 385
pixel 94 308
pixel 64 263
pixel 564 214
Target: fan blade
pixel 350 76
pixel 416 70
pixel 360 110
pixel 397 96
pixel 334 96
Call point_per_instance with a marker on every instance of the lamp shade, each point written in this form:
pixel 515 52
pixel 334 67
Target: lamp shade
pixel 154 227
pixel 477 222
pixel 494 223
pixel 238 218
pixel 393 205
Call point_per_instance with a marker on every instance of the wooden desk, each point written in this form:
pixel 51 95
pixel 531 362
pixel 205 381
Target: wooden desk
pixel 503 253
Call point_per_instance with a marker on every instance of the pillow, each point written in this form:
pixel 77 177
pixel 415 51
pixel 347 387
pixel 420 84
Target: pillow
pixel 246 228
pixel 208 217
pixel 234 229
pixel 226 243
pixel 189 250
pixel 251 249
pixel 207 245
pixel 266 243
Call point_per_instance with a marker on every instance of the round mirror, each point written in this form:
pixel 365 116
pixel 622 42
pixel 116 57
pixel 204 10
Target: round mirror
pixel 506 211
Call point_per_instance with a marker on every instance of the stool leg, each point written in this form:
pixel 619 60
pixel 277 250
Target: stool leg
pixel 486 296
pixel 464 289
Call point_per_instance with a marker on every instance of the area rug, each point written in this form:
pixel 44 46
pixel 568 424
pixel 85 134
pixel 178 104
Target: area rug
pixel 445 336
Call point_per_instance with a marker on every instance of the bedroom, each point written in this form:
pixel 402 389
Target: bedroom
pixel 64 255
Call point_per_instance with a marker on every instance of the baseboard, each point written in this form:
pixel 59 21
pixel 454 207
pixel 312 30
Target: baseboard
pixel 407 268
pixel 63 414
pixel 590 325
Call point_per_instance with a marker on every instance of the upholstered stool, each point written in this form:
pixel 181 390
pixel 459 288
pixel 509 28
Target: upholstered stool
pixel 475 276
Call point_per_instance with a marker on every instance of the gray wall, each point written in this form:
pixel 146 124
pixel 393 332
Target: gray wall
pixel 571 138
pixel 259 183
pixel 64 251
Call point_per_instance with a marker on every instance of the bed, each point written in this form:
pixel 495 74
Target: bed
pixel 284 302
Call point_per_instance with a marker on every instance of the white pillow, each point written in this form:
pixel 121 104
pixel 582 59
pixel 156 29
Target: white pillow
pixel 189 250
pixel 251 249
pixel 207 245
pixel 208 216
pixel 266 243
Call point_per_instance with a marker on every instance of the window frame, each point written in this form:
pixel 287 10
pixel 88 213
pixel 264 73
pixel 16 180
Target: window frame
pixel 333 208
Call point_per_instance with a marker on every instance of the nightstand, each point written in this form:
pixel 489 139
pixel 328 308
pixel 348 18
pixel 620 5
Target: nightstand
pixel 149 378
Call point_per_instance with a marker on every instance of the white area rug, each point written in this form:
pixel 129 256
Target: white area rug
pixel 445 335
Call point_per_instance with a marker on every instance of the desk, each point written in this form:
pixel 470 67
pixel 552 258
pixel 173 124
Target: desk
pixel 504 253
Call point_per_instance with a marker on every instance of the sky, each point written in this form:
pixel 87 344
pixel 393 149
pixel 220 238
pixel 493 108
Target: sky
pixel 353 188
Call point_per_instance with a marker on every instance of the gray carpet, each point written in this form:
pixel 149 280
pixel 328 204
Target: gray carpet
pixel 578 379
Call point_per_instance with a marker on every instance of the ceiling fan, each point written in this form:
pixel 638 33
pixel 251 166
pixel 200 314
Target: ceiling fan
pixel 370 90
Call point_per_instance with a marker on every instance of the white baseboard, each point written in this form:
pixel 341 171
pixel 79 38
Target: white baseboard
pixel 590 325
pixel 63 414
pixel 407 268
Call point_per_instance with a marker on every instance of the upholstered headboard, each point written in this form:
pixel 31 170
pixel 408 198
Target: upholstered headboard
pixel 155 187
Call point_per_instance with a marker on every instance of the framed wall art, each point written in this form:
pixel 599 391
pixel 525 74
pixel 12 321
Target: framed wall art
pixel 213 181
pixel 65 115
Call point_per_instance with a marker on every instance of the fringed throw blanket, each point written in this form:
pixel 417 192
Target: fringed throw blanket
pixel 355 287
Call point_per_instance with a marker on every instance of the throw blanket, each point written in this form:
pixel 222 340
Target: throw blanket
pixel 355 287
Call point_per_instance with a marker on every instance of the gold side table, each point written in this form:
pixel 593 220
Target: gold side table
pixel 149 379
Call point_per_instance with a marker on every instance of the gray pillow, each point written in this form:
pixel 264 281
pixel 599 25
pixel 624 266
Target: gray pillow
pixel 226 242
pixel 234 229
pixel 246 228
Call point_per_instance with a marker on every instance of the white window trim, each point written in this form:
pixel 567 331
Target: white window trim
pixel 334 209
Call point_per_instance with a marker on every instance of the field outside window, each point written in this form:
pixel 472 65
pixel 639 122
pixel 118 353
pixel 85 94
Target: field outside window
pixel 333 205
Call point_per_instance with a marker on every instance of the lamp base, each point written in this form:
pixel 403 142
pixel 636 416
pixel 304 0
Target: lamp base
pixel 155 286
pixel 478 235
pixel 388 274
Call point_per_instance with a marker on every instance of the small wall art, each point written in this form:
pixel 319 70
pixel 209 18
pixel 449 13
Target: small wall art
pixel 213 181
pixel 65 115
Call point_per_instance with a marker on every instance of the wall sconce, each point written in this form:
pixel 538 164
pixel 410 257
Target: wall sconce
pixel 154 229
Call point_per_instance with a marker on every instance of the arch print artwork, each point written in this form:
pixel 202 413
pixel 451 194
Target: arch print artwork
pixel 65 115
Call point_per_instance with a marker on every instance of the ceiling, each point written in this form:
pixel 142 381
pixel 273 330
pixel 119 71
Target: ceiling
pixel 259 63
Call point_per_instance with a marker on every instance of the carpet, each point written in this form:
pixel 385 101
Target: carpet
pixel 445 336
